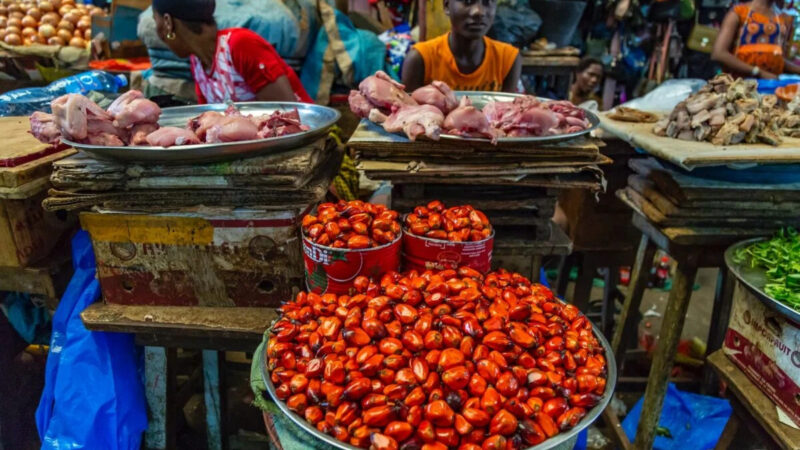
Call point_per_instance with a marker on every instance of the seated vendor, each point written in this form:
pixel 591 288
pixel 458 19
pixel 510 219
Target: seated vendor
pixel 588 75
pixel 751 40
pixel 465 58
pixel 231 64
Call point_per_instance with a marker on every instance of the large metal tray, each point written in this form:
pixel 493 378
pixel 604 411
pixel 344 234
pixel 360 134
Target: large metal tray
pixel 481 98
pixel 755 279
pixel 319 118
pixel 562 441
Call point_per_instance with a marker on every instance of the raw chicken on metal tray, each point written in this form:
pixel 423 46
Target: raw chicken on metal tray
pixel 384 101
pixel 133 120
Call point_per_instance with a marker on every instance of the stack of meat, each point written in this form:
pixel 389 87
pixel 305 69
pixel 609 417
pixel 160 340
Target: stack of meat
pixel 728 111
pixel 128 120
pixel 433 110
pixel 133 120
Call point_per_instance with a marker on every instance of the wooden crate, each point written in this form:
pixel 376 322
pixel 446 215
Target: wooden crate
pixel 27 232
pixel 238 259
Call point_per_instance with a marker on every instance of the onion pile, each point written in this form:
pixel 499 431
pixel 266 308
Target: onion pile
pixel 51 22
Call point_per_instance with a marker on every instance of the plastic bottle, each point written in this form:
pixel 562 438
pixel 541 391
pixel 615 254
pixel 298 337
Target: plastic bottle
pixel 662 272
pixel 23 102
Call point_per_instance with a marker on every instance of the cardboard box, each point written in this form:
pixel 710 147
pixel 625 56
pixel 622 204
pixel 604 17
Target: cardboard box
pixel 27 232
pixel 766 346
pixel 237 259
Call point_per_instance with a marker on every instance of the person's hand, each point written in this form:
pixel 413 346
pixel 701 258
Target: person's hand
pixel 767 75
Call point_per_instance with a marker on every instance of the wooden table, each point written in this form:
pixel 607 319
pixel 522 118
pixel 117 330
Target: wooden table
pixel 164 329
pixel 507 250
pixel 690 252
pixel 560 68
pixel 751 408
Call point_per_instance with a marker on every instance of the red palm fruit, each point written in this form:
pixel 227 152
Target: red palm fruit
pixel 373 399
pixel 378 416
pixel 314 391
pixel 477 417
pixel 396 392
pixel 419 368
pixel 447 436
pixel 380 441
pixel 405 377
pixel 506 384
pixel 586 400
pixel 462 426
pixel 426 432
pixel 329 327
pixel 477 385
pixel 433 340
pixel 415 415
pixel 365 353
pixel 431 383
pixel 406 313
pixel 298 383
pixel 545 393
pixel 494 442
pixel 488 369
pixel 334 371
pixel 531 432
pixel 555 407
pixel 390 346
pixel 450 357
pixel 283 391
pixel 491 401
pixel 398 430
pixel 456 377
pixel 356 336
pixel 298 403
pixel 547 424
pixel 346 413
pixel 503 423
pixel 570 418
pixel 372 365
pixel 415 397
pixel 313 414
pixel 412 341
pixel 395 362
pixel 439 413
pixel 357 388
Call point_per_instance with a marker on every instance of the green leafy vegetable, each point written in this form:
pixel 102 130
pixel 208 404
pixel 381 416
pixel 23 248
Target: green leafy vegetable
pixel 780 258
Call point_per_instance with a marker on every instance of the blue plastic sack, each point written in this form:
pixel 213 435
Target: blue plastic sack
pixel 93 396
pixel 29 320
pixel 694 421
pixel 366 51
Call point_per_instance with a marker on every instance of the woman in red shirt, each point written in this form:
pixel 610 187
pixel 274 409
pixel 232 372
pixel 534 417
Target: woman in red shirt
pixel 232 64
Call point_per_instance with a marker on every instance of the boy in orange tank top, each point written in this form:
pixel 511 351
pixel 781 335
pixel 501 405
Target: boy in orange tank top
pixel 465 58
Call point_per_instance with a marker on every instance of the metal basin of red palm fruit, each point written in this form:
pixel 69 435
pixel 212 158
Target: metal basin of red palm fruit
pixel 441 238
pixel 437 360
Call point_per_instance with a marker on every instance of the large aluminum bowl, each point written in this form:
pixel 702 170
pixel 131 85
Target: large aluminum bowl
pixel 561 441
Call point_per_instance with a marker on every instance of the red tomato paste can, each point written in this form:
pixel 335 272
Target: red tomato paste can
pixel 423 253
pixel 332 270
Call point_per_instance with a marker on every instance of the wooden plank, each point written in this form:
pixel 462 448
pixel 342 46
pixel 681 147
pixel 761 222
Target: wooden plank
pixel 760 407
pixel 423 166
pixel 557 244
pixel 47 280
pixel 19 176
pixel 584 180
pixel 691 154
pixel 190 321
pixel 682 187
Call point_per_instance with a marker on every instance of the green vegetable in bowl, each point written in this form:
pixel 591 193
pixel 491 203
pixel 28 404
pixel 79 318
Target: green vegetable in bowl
pixel 780 258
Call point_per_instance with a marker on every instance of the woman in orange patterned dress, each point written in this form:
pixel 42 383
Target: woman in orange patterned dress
pixel 751 41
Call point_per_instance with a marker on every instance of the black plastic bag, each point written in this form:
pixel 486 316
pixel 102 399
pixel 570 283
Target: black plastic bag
pixel 515 25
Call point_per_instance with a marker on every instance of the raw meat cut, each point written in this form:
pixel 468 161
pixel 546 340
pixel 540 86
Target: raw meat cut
pixel 468 121
pixel 169 136
pixel 105 139
pixel 359 104
pixel 412 120
pixel 438 94
pixel 71 113
pixel 44 128
pixel 279 124
pixel 571 118
pixel 381 92
pixel 139 110
pixel 231 129
pixel 119 104
pixel 200 124
pixel 140 132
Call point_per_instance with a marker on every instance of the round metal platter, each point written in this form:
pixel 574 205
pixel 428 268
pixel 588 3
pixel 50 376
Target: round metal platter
pixel 319 118
pixel 480 99
pixel 553 443
pixel 755 279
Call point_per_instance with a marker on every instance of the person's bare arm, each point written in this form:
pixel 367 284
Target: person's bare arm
pixel 512 79
pixel 790 67
pixel 413 71
pixel 722 48
pixel 279 90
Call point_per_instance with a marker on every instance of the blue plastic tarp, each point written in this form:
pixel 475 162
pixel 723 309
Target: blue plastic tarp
pixel 694 421
pixel 94 395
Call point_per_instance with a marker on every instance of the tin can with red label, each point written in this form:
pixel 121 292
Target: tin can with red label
pixel 332 270
pixel 422 253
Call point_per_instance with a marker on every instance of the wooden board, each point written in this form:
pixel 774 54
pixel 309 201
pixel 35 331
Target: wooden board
pixel 691 154
pixel 681 187
pixel 371 138
pixel 591 180
pixel 563 51
pixel 659 218
pixel 381 169
pixel 13 179
pixel 550 61
pixel 199 321
pixel 760 407
pixel 669 208
pixel 510 243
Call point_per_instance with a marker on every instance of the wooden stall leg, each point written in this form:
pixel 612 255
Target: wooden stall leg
pixel 536 268
pixel 160 387
pixel 583 285
pixel 719 325
pixel 626 327
pixel 214 399
pixel 609 285
pixel 564 267
pixel 668 338
pixel 728 433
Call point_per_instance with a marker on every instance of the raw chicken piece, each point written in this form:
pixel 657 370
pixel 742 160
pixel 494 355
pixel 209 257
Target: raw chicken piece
pixel 140 110
pixel 71 113
pixel 468 121
pixel 412 120
pixel 359 104
pixel 202 123
pixel 118 105
pixel 279 124
pixel 140 132
pixel 100 125
pixel 169 136
pixel 525 116
pixel 104 139
pixel 43 128
pixel 384 93
pixel 499 113
pixel 437 94
pixel 231 129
